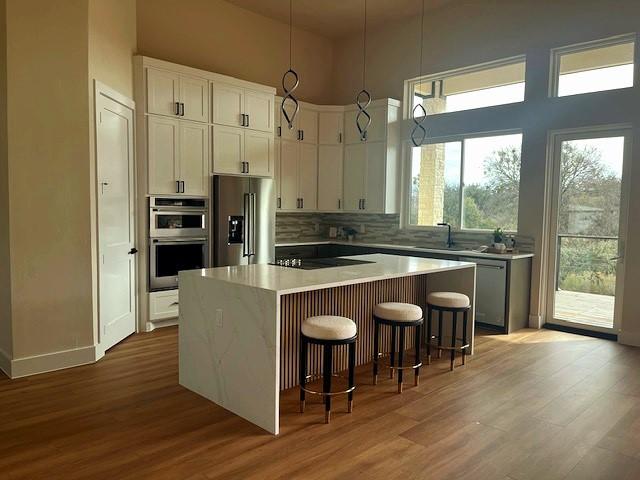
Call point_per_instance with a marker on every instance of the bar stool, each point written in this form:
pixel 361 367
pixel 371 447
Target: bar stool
pixel 328 331
pixel 398 316
pixel 453 303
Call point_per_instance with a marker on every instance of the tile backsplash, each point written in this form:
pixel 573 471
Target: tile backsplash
pixel 378 228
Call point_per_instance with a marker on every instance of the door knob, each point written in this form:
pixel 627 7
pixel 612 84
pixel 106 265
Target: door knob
pixel 133 251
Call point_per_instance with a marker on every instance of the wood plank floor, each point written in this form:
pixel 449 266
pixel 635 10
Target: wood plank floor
pixel 531 405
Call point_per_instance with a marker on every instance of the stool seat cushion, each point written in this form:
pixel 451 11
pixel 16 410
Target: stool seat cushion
pixel 399 312
pixel 448 300
pixel 329 327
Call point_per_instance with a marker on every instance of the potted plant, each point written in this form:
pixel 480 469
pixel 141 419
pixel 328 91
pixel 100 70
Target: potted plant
pixel 498 239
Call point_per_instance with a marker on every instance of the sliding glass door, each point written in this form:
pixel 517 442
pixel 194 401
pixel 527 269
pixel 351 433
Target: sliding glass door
pixel 587 229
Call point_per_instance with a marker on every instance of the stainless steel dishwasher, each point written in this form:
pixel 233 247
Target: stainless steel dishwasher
pixel 491 290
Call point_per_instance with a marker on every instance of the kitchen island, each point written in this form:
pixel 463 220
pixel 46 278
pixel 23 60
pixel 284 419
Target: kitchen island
pixel 239 325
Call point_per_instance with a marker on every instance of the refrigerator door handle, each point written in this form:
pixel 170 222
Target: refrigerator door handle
pixel 246 226
pixel 252 220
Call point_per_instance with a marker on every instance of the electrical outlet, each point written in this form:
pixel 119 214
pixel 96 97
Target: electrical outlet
pixel 219 317
pixel 362 228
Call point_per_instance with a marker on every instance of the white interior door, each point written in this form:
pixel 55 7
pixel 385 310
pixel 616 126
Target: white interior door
pixel 116 221
pixel 588 229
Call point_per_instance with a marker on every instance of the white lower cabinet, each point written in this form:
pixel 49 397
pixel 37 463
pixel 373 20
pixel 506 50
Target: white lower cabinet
pixel 298 176
pixel 163 305
pixel 330 178
pixel 178 157
pixel 238 151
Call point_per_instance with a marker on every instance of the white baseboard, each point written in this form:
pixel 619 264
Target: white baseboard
pixel 170 322
pixel 22 367
pixel 629 338
pixel 5 363
pixel 536 321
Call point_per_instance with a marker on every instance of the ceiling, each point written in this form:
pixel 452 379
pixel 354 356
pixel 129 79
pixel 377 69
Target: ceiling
pixel 337 18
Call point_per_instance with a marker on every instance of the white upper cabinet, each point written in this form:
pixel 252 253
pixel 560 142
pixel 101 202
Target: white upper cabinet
pixel 307 125
pixel 242 107
pixel 308 177
pixel 330 178
pixel 162 92
pixel 288 180
pixel 377 130
pixel 194 97
pixel 258 153
pixel 372 167
pixel 331 128
pixel 163 138
pixel 228 150
pixel 177 95
pixel 194 158
pixel 178 153
pixel 227 105
pixel 258 108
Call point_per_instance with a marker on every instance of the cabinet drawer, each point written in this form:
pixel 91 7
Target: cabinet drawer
pixel 163 305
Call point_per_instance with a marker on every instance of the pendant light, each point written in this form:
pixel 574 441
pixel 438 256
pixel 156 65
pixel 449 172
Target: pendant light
pixel 290 77
pixel 419 114
pixel 363 99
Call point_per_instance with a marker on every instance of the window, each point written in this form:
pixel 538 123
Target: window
pixel 472 183
pixel 605 65
pixel 474 87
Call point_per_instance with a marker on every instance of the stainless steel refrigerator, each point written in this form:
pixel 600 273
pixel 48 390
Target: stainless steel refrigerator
pixel 243 220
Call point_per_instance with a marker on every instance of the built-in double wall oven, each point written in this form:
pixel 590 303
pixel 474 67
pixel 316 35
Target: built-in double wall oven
pixel 178 239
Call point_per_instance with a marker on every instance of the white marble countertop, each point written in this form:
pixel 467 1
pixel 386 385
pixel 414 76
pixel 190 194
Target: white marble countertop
pixel 410 248
pixel 284 280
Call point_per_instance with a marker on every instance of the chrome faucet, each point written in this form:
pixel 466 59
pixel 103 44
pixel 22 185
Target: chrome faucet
pixel 449 240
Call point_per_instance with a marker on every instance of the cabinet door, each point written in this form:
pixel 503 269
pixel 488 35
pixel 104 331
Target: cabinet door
pixel 162 92
pixel 289 175
pixel 308 125
pixel 375 179
pixel 308 176
pixel 163 139
pixel 258 152
pixel 194 94
pixel 329 178
pixel 355 170
pixel 259 108
pixel 376 131
pixel 282 127
pixel 228 105
pixel 330 128
pixel 194 158
pixel 228 149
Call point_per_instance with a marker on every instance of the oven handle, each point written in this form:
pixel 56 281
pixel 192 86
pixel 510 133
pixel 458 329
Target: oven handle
pixel 179 240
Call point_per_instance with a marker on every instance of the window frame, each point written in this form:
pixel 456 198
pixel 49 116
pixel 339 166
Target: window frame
pixel 408 147
pixel 557 53
pixel 438 77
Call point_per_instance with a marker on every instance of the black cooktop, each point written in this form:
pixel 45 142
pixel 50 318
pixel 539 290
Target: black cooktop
pixel 316 263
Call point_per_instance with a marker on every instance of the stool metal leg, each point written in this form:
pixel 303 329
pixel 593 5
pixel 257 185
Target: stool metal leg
pixel 418 341
pixel 392 356
pixel 429 314
pixel 326 377
pixel 376 350
pixel 400 358
pixel 454 324
pixel 352 374
pixel 303 371
pixel 465 317
pixel 439 333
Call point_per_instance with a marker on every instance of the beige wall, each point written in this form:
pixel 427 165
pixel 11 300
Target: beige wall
pixel 216 36
pixel 499 29
pixel 5 272
pixel 48 132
